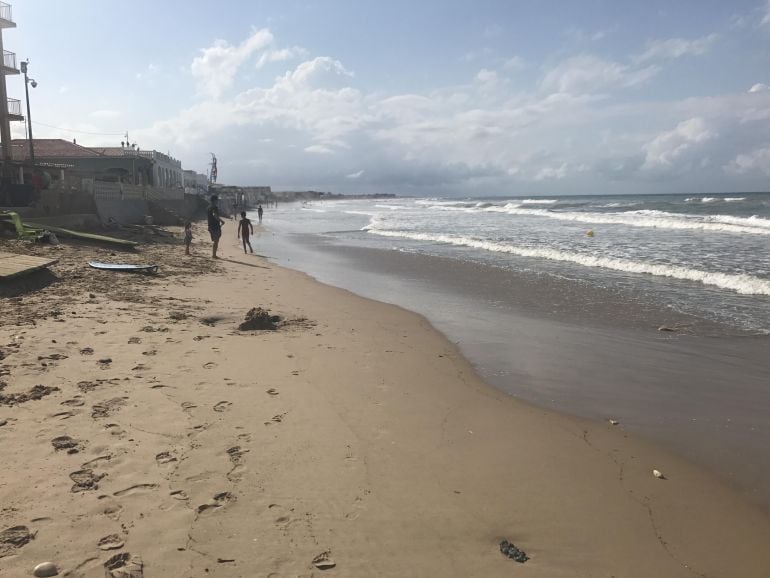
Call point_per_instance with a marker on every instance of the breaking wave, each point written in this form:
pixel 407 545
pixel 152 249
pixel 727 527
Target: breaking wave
pixel 740 283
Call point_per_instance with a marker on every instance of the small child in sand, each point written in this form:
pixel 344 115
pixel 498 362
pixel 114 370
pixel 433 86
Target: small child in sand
pixel 187 237
pixel 244 225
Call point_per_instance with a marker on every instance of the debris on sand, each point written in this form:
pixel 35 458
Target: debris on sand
pixel 37 392
pixel 258 318
pixel 513 552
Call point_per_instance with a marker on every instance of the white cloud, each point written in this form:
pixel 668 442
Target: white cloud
pixel 281 55
pixel 575 131
pixel 677 148
pixel 766 16
pixel 757 160
pixel 759 87
pixel 319 150
pixel 216 66
pixel 586 73
pixel 514 63
pixel 676 48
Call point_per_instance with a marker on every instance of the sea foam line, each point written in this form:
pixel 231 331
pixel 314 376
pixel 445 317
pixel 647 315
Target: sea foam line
pixel 649 219
pixel 743 284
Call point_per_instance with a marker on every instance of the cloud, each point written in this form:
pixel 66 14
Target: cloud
pixel 677 148
pixel 281 55
pixel 514 63
pixel 216 66
pixel 757 160
pixel 766 14
pixel 319 150
pixel 672 48
pixel 759 87
pixel 587 73
pixel 573 131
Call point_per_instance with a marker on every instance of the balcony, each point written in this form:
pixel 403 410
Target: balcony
pixel 14 109
pixel 9 63
pixel 6 16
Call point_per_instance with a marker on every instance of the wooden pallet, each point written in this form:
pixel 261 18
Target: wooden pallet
pixel 13 265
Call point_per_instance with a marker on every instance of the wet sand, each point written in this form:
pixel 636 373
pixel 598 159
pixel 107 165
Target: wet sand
pixel 700 390
pixel 354 440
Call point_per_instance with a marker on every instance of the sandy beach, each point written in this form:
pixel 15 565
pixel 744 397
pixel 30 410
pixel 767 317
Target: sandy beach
pixel 142 433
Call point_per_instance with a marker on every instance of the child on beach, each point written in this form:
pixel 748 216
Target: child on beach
pixel 187 237
pixel 243 231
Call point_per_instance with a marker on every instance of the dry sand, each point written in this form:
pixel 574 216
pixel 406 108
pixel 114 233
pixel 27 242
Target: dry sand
pixel 354 435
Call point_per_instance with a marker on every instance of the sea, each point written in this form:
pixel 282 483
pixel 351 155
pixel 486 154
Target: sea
pixel 650 310
pixel 705 255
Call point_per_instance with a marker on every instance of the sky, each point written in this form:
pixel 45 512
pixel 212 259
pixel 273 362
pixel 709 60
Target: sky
pixel 450 97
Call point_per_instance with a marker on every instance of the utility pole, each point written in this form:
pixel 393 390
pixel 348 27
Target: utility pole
pixel 27 80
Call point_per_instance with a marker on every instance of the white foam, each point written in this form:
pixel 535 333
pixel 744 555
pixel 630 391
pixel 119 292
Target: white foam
pixel 649 218
pixel 701 199
pixel 734 199
pixel 538 201
pixel 740 283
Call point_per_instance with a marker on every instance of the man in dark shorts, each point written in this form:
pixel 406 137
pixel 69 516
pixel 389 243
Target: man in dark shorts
pixel 215 224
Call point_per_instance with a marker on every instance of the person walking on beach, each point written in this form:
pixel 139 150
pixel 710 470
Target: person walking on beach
pixel 243 231
pixel 215 225
pixel 187 237
pixel 259 213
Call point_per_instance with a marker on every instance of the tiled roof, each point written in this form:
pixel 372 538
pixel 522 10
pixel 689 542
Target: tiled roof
pixel 52 148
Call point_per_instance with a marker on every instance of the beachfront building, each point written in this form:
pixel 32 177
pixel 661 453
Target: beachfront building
pixel 112 164
pixel 166 170
pixel 10 108
pixel 195 183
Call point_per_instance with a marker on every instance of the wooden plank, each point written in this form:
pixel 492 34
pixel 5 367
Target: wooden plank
pixel 13 265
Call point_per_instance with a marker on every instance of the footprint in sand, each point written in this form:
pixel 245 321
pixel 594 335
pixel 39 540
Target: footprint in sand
pixel 136 489
pixel 159 386
pixel 222 406
pixel 124 565
pixel 150 352
pixel 111 542
pixel 276 418
pixel 209 365
pixel 96 461
pixel 87 351
pixel 220 500
pixel 85 480
pixel 104 363
pixel 66 443
pixel 134 340
pixel 86 386
pixel 11 539
pixel 188 405
pixel 108 407
pixel 65 414
pixel 272 391
pixel 164 458
pixel 114 429
pixel 74 402
pixel 179 495
pixel 111 508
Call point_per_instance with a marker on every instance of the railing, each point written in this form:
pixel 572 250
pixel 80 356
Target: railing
pixel 14 107
pixel 9 59
pixel 124 191
pixel 155 155
pixel 5 12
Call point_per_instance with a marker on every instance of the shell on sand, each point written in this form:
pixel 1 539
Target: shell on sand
pixel 45 569
pixel 658 474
